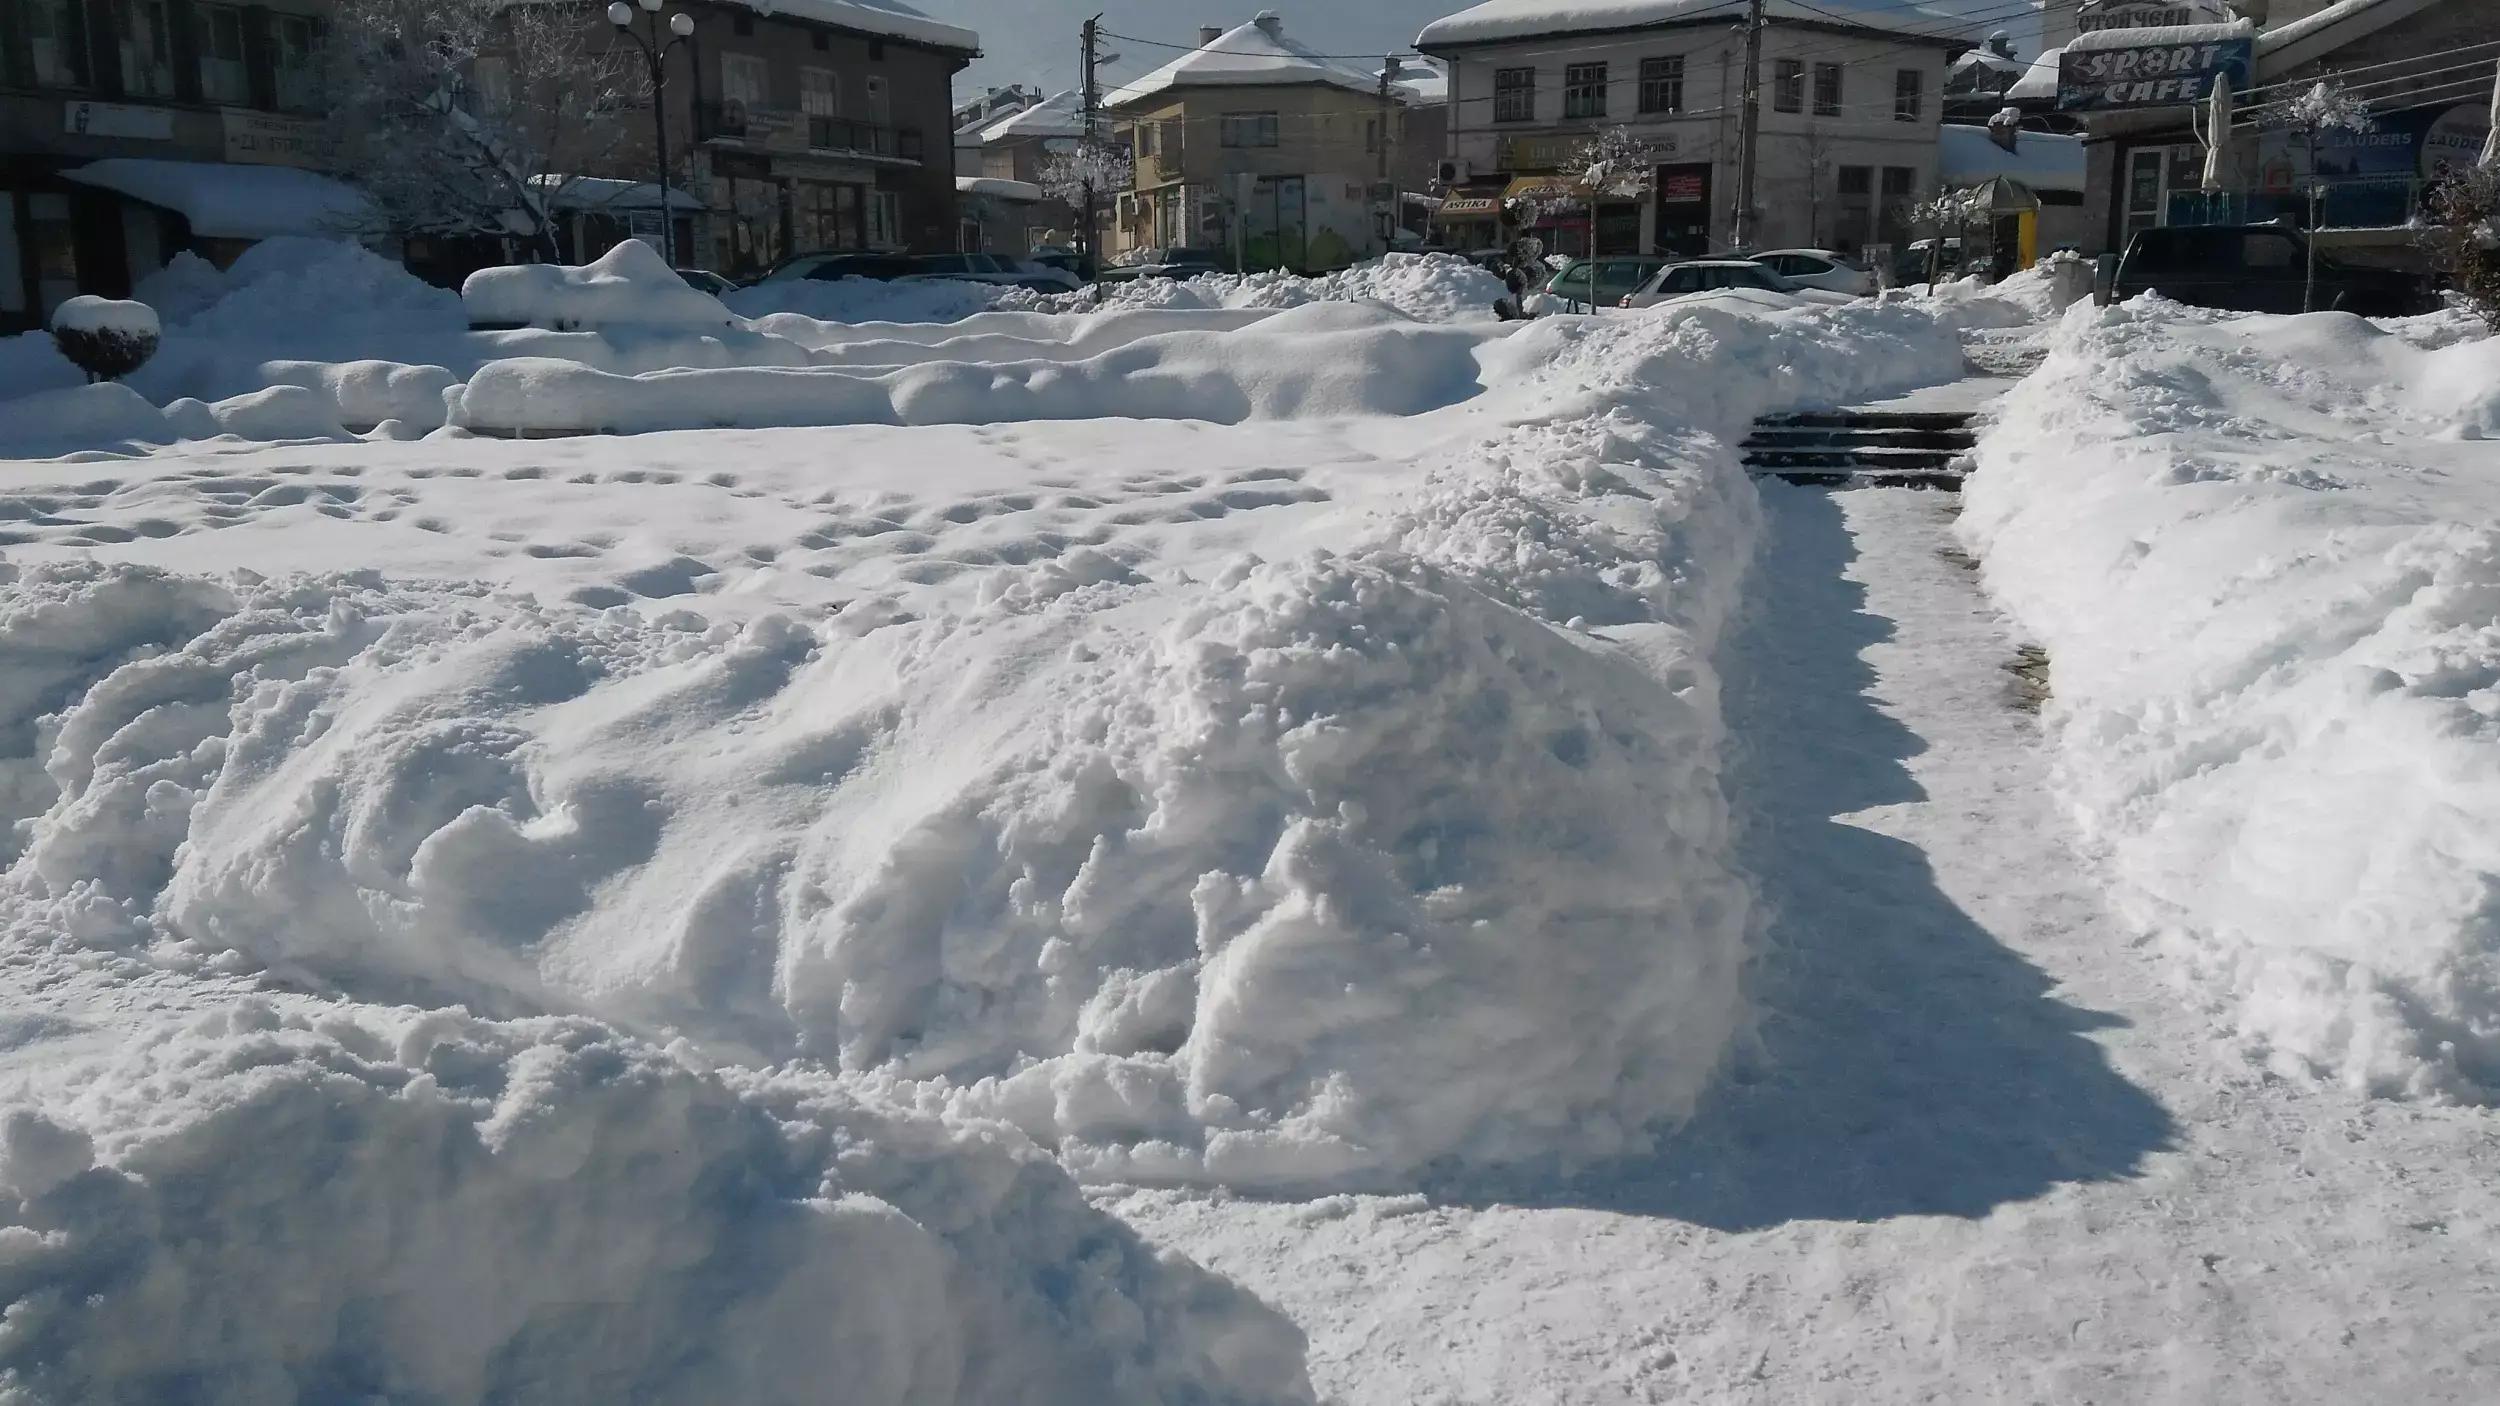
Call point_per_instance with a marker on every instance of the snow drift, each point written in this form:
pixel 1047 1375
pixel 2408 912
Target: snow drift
pixel 1303 871
pixel 266 1207
pixel 2260 553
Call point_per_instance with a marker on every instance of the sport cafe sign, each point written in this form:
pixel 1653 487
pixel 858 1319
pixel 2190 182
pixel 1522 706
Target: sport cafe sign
pixel 2150 75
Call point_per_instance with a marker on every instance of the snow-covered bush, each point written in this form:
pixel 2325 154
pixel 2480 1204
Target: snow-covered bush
pixel 106 338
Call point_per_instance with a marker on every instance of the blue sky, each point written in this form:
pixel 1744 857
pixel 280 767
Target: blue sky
pixel 1035 41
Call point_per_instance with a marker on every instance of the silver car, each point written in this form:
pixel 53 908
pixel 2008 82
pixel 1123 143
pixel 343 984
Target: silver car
pixel 1818 268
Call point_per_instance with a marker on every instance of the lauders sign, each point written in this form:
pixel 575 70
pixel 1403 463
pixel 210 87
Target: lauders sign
pixel 2150 75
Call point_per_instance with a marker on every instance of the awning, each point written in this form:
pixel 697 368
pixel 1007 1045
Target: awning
pixel 224 201
pixel 1000 188
pixel 1542 188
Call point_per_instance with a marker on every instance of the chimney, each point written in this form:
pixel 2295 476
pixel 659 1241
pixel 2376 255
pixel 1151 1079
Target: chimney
pixel 1270 21
pixel 1209 33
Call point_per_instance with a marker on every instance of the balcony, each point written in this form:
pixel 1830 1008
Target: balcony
pixel 782 130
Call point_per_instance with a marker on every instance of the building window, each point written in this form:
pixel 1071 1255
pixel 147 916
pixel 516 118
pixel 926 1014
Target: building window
pixel 1584 90
pixel 885 220
pixel 1662 84
pixel 1149 135
pixel 57 33
pixel 745 79
pixel 1908 94
pixel 297 39
pixel 879 110
pixel 1892 217
pixel 1788 85
pixel 223 76
pixel 147 48
pixel 1371 135
pixel 820 92
pixel 1245 129
pixel 490 88
pixel 1827 90
pixel 1857 209
pixel 1514 95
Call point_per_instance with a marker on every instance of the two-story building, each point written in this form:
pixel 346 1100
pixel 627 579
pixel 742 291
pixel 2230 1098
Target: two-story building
pixel 2423 67
pixel 807 125
pixel 1254 145
pixel 1851 95
pixel 1001 191
pixel 131 130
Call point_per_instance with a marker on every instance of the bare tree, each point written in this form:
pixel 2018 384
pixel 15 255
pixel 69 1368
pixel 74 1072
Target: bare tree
pixel 459 116
pixel 2325 107
pixel 2463 233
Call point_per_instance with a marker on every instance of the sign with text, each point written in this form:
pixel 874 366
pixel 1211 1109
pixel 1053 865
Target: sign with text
pixel 1553 153
pixel 154 124
pixel 267 139
pixel 2150 75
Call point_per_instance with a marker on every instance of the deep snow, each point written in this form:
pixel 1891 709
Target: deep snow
pixel 627 894
pixel 2260 553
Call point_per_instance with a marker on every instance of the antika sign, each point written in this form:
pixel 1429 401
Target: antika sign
pixel 2150 75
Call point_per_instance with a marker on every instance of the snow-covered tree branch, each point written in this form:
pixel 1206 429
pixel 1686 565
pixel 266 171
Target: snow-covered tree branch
pixel 454 113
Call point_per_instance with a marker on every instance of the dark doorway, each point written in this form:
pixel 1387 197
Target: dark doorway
pixel 1684 208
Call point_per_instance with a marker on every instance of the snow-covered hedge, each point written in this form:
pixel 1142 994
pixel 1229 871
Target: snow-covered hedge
pixel 2260 552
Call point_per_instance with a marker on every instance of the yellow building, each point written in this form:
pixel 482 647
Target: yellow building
pixel 1255 148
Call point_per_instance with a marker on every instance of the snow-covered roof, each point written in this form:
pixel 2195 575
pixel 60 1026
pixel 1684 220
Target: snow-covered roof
pixel 891 19
pixel 1059 115
pixel 2040 81
pixel 234 202
pixel 2371 16
pixel 1259 53
pixel 1966 155
pixel 1000 188
pixel 1993 62
pixel 1423 81
pixel 1520 19
pixel 2149 35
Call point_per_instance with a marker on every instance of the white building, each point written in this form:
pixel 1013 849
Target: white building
pixel 1852 92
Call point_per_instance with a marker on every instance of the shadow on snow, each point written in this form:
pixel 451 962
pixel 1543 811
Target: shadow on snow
pixel 1905 1061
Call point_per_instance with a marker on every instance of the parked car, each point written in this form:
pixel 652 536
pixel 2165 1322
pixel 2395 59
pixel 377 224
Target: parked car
pixel 1067 261
pixel 1586 285
pixel 1164 263
pixel 2257 268
pixel 1682 280
pixel 1817 268
pixel 838 265
pixel 706 281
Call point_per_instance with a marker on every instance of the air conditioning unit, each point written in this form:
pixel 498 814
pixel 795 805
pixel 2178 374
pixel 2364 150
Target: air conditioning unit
pixel 1456 173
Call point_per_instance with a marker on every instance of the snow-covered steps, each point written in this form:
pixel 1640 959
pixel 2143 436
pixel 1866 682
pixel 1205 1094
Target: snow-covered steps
pixel 1899 448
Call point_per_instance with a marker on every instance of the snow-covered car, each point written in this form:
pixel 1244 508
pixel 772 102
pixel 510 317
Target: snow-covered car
pixel 706 281
pixel 1818 268
pixel 829 266
pixel 1587 285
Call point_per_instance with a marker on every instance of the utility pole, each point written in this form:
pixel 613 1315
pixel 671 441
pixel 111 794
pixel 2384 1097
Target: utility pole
pixel 1091 256
pixel 1749 134
pixel 1387 223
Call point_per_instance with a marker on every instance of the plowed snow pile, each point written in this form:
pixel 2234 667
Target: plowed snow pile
pixel 400 831
pixel 2261 554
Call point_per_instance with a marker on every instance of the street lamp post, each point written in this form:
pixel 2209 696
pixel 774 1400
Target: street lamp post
pixel 655 55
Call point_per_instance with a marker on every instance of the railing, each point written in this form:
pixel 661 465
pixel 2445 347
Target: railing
pixel 2355 203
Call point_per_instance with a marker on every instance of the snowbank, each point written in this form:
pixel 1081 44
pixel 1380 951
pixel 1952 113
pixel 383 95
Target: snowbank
pixel 1318 360
pixel 397 1206
pixel 1427 287
pixel 867 299
pixel 630 285
pixel 1308 871
pixel 2259 552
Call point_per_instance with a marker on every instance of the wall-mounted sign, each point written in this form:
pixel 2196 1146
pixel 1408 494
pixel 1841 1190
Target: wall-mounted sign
pixel 267 139
pixel 152 124
pixel 1680 187
pixel 1553 153
pixel 2150 75
pixel 2146 14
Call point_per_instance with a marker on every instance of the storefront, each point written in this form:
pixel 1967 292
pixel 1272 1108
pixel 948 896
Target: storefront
pixel 1470 218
